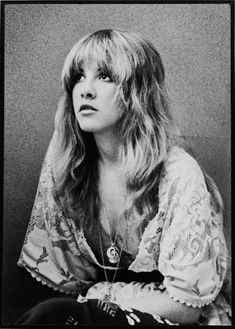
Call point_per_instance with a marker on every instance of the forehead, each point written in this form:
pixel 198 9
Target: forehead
pixel 91 65
pixel 101 55
pixel 95 61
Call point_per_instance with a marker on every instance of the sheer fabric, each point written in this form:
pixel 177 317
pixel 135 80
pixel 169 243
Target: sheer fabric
pixel 184 241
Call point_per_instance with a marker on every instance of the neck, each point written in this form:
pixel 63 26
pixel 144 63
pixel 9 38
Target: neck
pixel 108 146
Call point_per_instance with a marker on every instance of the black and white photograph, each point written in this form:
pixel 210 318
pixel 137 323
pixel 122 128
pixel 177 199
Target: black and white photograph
pixel 116 163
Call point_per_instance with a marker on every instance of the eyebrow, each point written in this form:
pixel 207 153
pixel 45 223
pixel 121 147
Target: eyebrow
pixel 76 67
pixel 105 69
pixel 100 68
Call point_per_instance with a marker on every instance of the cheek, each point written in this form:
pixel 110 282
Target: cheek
pixel 116 102
pixel 76 103
pixel 120 107
pixel 75 97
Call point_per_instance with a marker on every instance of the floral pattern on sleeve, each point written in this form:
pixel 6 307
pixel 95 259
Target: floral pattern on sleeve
pixel 185 240
pixel 51 251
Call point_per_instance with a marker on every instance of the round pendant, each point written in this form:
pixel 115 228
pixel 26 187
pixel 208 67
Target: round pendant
pixel 113 254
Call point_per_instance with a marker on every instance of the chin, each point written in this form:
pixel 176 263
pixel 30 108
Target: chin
pixel 87 129
pixel 90 128
pixel 95 127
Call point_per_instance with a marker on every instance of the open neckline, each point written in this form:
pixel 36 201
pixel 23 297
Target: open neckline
pixel 97 257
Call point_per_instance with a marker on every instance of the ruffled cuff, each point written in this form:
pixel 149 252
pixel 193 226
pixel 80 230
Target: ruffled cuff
pixel 72 287
pixel 196 292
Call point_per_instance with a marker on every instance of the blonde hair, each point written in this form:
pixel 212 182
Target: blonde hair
pixel 145 126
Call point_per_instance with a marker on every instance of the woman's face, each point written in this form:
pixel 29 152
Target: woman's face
pixel 94 100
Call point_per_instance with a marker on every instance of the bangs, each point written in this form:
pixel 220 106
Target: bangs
pixel 104 50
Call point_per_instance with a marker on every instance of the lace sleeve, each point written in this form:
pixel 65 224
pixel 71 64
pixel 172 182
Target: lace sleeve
pixel 50 250
pixel 193 252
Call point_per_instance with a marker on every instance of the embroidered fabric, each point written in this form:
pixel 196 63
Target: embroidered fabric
pixel 184 241
pixel 122 291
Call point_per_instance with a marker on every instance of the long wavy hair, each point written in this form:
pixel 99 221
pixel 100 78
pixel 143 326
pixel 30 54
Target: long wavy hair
pixel 145 126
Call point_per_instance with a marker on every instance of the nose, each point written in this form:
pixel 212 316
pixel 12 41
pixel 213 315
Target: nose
pixel 88 91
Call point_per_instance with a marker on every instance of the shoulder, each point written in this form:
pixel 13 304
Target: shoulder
pixel 180 163
pixel 181 176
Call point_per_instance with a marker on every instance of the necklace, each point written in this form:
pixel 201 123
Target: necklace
pixel 113 252
pixel 107 297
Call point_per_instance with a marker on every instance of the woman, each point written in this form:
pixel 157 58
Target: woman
pixel 124 219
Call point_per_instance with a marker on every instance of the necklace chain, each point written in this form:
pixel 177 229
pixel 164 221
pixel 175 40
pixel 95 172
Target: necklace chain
pixel 106 218
pixel 107 297
pixel 113 252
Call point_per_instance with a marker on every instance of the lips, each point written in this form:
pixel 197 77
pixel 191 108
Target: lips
pixel 87 107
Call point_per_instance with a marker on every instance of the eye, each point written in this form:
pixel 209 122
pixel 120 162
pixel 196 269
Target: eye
pixel 80 76
pixel 104 77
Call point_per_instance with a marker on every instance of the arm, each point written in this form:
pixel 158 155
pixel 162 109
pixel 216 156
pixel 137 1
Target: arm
pixel 161 304
pixel 51 250
pixel 192 251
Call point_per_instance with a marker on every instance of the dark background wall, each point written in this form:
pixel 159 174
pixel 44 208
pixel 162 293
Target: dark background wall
pixel 194 41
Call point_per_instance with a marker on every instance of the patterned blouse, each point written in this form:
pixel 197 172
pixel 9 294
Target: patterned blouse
pixel 184 242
